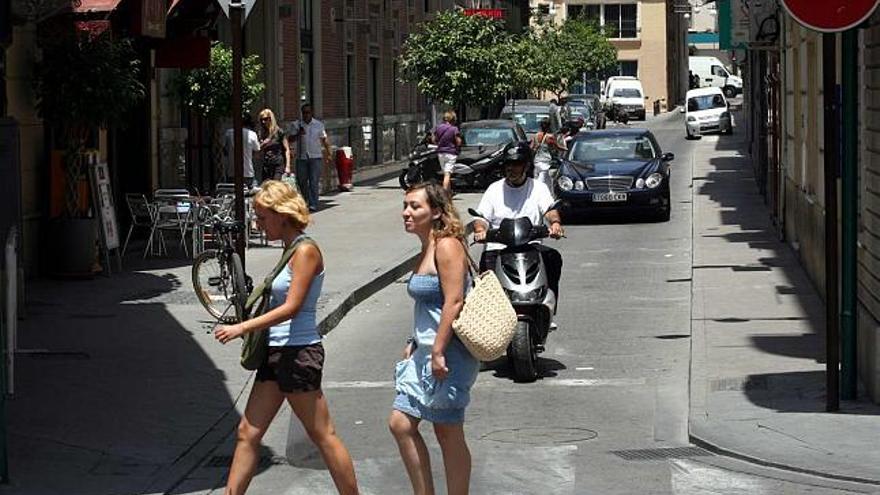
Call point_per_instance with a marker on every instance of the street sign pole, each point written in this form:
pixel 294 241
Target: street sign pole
pixel 236 9
pixel 832 308
pixel 849 213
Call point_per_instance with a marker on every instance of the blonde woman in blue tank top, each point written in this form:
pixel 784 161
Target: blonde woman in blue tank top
pixel 294 364
pixel 434 380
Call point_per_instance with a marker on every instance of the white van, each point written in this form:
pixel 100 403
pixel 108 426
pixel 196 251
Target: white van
pixel 706 110
pixel 626 92
pixel 711 72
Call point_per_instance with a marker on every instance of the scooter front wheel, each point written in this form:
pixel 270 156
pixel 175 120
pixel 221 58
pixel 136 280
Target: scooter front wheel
pixel 521 353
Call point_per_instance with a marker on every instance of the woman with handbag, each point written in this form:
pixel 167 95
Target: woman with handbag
pixel 293 365
pixel 274 147
pixel 433 381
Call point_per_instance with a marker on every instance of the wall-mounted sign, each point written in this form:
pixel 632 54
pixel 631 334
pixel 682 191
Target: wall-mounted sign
pixel 149 18
pixel 491 13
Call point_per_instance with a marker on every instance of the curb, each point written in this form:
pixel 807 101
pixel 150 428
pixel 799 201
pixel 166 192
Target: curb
pixel 217 434
pixel 776 465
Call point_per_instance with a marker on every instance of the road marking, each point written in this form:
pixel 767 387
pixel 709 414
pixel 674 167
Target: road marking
pixel 552 382
pixel 585 368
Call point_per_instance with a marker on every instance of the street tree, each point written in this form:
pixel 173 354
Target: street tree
pixel 551 56
pixel 208 91
pixel 458 59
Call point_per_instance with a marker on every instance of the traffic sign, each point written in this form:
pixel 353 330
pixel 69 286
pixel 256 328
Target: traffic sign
pixel 247 4
pixel 830 15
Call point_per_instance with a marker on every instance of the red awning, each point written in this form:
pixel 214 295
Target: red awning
pixel 86 6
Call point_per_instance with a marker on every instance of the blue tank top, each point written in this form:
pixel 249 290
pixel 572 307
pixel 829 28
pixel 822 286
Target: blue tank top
pixel 302 329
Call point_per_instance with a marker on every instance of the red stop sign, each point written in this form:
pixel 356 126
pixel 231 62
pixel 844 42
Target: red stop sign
pixel 830 15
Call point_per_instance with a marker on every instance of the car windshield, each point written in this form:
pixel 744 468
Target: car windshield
pixel 705 102
pixel 473 136
pixel 579 111
pixel 531 122
pixel 612 148
pixel 627 93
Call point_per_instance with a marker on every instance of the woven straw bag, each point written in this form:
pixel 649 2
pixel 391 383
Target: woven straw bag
pixel 487 321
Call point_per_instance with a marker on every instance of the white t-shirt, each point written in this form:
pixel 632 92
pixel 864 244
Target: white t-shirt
pixel 500 201
pixel 249 142
pixel 309 144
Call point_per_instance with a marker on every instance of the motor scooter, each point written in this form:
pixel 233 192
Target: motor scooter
pixel 520 269
pixel 475 167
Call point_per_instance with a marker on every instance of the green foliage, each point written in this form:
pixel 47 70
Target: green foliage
pixel 208 91
pixel 87 82
pixel 458 59
pixel 550 56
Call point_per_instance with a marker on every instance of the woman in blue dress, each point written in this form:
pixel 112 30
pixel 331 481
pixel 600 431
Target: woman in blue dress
pixel 434 380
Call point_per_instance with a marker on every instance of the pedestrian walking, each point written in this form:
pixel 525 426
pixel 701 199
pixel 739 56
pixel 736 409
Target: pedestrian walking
pixel 434 379
pixel 447 137
pixel 273 147
pixel 250 147
pixel 294 363
pixel 311 148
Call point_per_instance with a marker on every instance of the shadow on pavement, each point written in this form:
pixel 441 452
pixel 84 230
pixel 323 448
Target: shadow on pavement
pixel 547 368
pixel 112 390
pixel 798 392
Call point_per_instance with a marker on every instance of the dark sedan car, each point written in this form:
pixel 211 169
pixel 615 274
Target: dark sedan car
pixel 615 169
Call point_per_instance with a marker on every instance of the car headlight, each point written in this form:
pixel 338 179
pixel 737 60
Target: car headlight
pixel 654 180
pixel 579 185
pixel 565 183
pixel 640 183
pixel 691 118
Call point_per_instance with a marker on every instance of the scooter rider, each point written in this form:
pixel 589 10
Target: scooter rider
pixel 518 195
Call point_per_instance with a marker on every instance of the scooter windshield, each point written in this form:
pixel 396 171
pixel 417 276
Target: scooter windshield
pixel 515 231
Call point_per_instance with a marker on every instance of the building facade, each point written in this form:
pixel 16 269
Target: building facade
pixel 650 37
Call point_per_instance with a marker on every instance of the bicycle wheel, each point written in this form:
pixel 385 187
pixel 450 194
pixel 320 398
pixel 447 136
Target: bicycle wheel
pixel 219 285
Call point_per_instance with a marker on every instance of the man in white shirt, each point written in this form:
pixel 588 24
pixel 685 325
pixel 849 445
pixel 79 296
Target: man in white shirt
pixel 251 146
pixel 515 196
pixel 309 145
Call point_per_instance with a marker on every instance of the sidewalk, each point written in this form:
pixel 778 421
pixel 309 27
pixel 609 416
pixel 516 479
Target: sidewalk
pixel 120 387
pixel 758 342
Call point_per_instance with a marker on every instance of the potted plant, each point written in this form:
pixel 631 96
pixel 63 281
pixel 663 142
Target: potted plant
pixel 84 82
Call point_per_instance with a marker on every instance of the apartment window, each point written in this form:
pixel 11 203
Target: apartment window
pixel 620 20
pixel 305 18
pixel 628 68
pixel 306 76
pixel 590 13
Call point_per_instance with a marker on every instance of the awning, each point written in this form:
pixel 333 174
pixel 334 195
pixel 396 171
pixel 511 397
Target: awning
pixel 86 6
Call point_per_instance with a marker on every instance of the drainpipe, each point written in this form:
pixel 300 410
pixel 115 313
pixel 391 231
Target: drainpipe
pixel 832 290
pixel 849 211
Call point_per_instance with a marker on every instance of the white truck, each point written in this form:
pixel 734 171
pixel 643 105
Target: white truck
pixel 627 94
pixel 711 72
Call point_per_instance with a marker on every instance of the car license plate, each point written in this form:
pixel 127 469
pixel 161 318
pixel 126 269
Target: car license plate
pixel 609 197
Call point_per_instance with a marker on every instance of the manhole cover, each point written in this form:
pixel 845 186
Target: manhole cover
pixel 539 435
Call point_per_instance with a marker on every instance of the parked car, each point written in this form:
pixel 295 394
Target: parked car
pixel 615 170
pixel 592 101
pixel 711 72
pixel 530 113
pixel 626 94
pixel 579 114
pixel 706 111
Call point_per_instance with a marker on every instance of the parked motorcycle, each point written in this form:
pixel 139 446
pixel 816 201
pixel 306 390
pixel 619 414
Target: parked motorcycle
pixel 617 114
pixel 520 269
pixel 475 167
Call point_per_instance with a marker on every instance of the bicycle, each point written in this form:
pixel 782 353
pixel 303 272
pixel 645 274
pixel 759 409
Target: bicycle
pixel 218 276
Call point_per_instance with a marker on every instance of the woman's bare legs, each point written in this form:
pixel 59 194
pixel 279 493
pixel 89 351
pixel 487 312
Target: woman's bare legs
pixel 262 406
pixel 413 450
pixel 314 414
pixel 456 457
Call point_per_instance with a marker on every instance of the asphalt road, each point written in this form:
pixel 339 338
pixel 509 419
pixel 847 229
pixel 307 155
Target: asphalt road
pixel 609 413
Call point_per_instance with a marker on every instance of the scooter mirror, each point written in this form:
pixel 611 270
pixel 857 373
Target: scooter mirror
pixel 474 213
